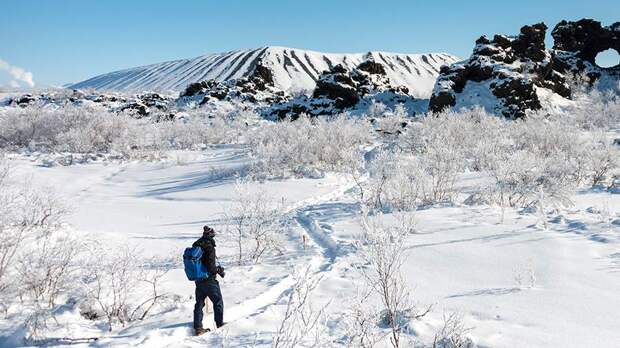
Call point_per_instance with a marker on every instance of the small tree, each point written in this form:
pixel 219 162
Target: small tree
pixel 360 322
pixel 301 324
pixel 395 182
pixel 46 269
pixel 453 333
pixel 256 224
pixel 603 159
pixel 113 283
pixel 383 250
pixel 24 213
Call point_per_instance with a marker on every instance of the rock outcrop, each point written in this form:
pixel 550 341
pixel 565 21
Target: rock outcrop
pixel 140 105
pixel 505 73
pixel 509 67
pixel 578 43
pixel 337 85
pixel 339 89
pixel 257 87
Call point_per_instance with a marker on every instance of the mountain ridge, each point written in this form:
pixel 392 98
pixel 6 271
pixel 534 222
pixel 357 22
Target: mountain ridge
pixel 294 70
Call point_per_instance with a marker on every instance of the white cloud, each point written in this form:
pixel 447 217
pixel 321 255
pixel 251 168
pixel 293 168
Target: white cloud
pixel 17 73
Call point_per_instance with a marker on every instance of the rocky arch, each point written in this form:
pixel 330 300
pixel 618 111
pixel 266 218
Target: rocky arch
pixel 587 38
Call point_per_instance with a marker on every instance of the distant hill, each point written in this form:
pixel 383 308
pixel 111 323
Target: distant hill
pixel 293 70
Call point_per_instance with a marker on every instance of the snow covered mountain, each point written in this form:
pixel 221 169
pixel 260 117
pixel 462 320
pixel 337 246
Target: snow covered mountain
pixel 293 69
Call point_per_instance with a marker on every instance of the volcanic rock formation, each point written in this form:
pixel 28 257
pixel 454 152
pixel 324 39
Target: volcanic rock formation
pixel 580 43
pixel 504 73
pixel 339 89
pixel 258 86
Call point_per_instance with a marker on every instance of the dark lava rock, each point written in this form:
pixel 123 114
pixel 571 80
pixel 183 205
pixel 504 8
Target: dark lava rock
pixel 372 67
pixel 23 100
pixel 338 89
pixel 338 86
pixel 136 108
pixel 198 88
pixel 263 73
pixel 578 43
pixel 256 87
pixel 513 67
pixel 530 44
pixel 154 100
pixel 586 38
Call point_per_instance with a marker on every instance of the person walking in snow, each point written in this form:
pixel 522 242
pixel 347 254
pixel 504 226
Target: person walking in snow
pixel 208 287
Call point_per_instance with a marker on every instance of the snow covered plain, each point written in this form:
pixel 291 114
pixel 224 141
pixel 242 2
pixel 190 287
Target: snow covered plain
pixel 516 283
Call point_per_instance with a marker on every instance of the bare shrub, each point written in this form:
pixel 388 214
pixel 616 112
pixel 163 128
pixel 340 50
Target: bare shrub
pixel 306 144
pixel 383 250
pixel 47 267
pixel 603 159
pixel 86 130
pixel 441 144
pixel 543 163
pixel 93 129
pixel 594 108
pixel 25 213
pixel 113 284
pixel 153 271
pixel 453 334
pixel 302 324
pixel 524 179
pixel 395 182
pixel 256 224
pixel 360 323
pixel 60 128
pixel 11 234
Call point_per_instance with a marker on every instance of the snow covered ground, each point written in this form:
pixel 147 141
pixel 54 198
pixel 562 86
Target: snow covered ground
pixel 516 283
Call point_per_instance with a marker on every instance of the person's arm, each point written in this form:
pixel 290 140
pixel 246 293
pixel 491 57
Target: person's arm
pixel 210 260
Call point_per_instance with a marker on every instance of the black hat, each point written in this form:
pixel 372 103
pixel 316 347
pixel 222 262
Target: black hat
pixel 207 231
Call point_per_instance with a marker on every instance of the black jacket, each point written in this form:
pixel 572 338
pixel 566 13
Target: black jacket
pixel 208 254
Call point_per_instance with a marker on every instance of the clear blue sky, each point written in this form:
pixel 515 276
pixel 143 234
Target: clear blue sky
pixel 70 40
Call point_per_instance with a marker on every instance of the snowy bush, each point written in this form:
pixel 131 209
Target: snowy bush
pixel 453 333
pixel 603 158
pixel 113 283
pixel 256 225
pixel 296 147
pixel 541 162
pixel 594 108
pixel 394 183
pixel 10 234
pixel 26 213
pixel 390 125
pixel 90 129
pixel 537 162
pixel 302 325
pixel 360 322
pixel 439 143
pixel 376 109
pixel 46 268
pixel 382 248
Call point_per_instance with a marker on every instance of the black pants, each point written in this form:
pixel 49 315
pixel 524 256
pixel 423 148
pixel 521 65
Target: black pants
pixel 208 288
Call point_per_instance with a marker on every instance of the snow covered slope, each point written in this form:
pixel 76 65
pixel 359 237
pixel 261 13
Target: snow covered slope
pixel 294 69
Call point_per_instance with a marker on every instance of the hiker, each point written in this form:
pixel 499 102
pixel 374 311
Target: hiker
pixel 208 287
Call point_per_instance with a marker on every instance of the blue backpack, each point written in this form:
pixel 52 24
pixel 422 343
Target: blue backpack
pixel 194 269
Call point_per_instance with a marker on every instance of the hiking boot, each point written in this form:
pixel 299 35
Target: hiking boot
pixel 220 325
pixel 201 331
